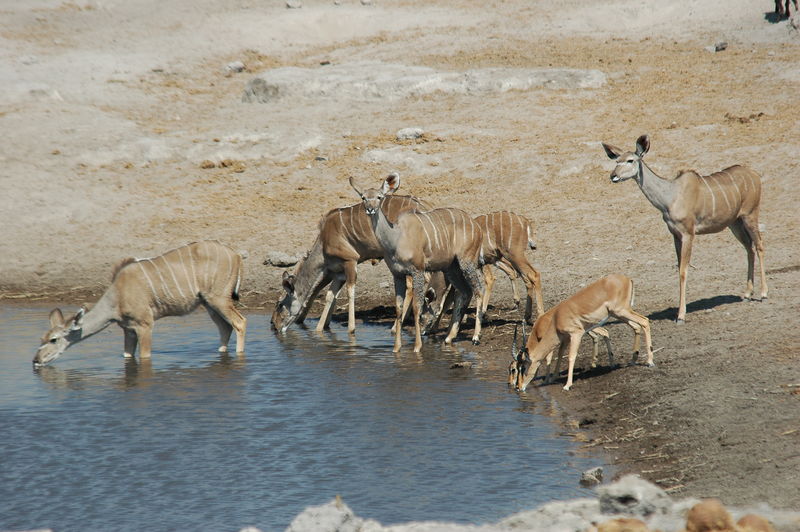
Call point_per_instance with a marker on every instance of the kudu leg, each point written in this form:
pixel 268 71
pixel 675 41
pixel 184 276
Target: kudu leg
pixel 399 303
pixel 145 335
pixel 447 302
pixel 330 300
pixel 130 342
pixel 462 297
pixel 418 282
pixel 398 322
pixel 229 318
pixel 489 279
pixel 351 274
pixel 751 226
pixel 683 249
pixel 741 234
pixel 533 285
pixel 470 272
pixel 225 328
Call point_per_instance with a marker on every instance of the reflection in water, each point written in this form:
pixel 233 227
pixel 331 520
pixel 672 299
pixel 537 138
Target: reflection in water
pixel 196 440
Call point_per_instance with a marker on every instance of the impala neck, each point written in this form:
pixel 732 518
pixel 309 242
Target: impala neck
pixel 661 192
pixel 102 314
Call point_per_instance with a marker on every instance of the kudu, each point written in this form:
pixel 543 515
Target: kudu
pixel 692 204
pixel 782 8
pixel 203 273
pixel 446 240
pixel 506 236
pixel 563 325
pixel 345 239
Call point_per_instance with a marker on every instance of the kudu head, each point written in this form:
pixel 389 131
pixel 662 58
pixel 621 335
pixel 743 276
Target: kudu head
pixel 288 306
pixel 59 337
pixel 629 163
pixel 520 362
pixel 373 197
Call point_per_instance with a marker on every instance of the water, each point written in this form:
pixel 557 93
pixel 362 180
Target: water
pixel 202 441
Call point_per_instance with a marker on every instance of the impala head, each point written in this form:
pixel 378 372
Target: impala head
pixel 59 337
pixel 629 162
pixel 520 372
pixel 372 197
pixel 288 306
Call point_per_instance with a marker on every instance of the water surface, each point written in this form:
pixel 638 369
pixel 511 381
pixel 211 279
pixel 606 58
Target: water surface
pixel 199 441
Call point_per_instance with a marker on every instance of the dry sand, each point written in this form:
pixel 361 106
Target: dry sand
pixel 110 110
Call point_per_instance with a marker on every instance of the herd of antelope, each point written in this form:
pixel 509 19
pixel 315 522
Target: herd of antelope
pixel 434 254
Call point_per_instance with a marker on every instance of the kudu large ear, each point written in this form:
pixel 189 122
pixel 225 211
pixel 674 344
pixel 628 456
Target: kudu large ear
pixel 56 318
pixel 391 183
pixel 352 184
pixel 642 145
pixel 287 281
pixel 612 151
pixel 77 321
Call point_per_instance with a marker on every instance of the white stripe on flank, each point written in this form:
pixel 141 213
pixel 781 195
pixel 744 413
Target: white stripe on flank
pixel 175 279
pixel 163 281
pixel 215 271
pixel 427 235
pixel 150 282
pixel 713 198
pixel 194 274
pixel 510 230
pixel 185 271
pixel 454 225
pixel 501 227
pixel 734 185
pixel 344 225
pixel 435 231
pixel 724 194
pixel 230 264
pixel 490 232
pixel 353 228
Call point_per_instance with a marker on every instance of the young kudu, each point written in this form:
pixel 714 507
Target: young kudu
pixel 203 273
pixel 506 236
pixel 563 325
pixel 345 239
pixel 692 204
pixel 445 240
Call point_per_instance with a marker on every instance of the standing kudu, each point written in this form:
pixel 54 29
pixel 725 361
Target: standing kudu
pixel 203 273
pixel 445 240
pixel 345 239
pixel 506 236
pixel 692 204
pixel 563 325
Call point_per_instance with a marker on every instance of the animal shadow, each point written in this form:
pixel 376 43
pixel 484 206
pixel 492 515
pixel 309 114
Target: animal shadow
pixel 701 304
pixel 772 17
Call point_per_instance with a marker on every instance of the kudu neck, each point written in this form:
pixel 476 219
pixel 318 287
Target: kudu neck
pixel 659 191
pixel 101 315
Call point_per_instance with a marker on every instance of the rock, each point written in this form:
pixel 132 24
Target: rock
pixel 592 477
pixel 334 516
pixel 409 133
pixel 634 496
pixel 279 259
pixel 372 80
pixel 235 66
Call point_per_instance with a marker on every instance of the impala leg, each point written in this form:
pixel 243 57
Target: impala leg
pixel 418 281
pixel 595 346
pixel 630 316
pixel 330 300
pixel 399 303
pixel 751 226
pixel 602 332
pixel 574 340
pixel 351 275
pixel 637 333
pixel 562 347
pixel 683 248
pixel 130 342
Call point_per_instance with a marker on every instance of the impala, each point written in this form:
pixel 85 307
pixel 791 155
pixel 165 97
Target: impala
pixel 587 309
pixel 446 240
pixel 692 204
pixel 203 273
pixel 345 239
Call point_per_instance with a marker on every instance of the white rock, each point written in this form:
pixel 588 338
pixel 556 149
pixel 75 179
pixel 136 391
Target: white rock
pixel 409 133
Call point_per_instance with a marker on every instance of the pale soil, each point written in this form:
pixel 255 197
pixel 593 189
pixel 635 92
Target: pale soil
pixel 109 108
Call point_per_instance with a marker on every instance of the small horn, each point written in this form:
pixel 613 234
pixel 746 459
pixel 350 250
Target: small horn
pixel 352 184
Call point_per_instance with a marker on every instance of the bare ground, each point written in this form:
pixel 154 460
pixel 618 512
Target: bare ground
pixel 113 107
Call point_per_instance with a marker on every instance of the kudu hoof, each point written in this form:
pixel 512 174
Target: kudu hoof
pixel 680 321
pixel 476 342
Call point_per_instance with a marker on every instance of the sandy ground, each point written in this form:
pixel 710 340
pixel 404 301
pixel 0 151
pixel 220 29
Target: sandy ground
pixel 125 134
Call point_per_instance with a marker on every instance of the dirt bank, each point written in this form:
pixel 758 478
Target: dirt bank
pixel 126 135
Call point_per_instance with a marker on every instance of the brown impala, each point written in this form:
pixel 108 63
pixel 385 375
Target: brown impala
pixel 143 290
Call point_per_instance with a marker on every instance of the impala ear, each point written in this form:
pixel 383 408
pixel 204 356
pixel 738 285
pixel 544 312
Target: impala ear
pixel 287 281
pixel 56 318
pixel 612 151
pixel 642 145
pixel 352 184
pixel 391 183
